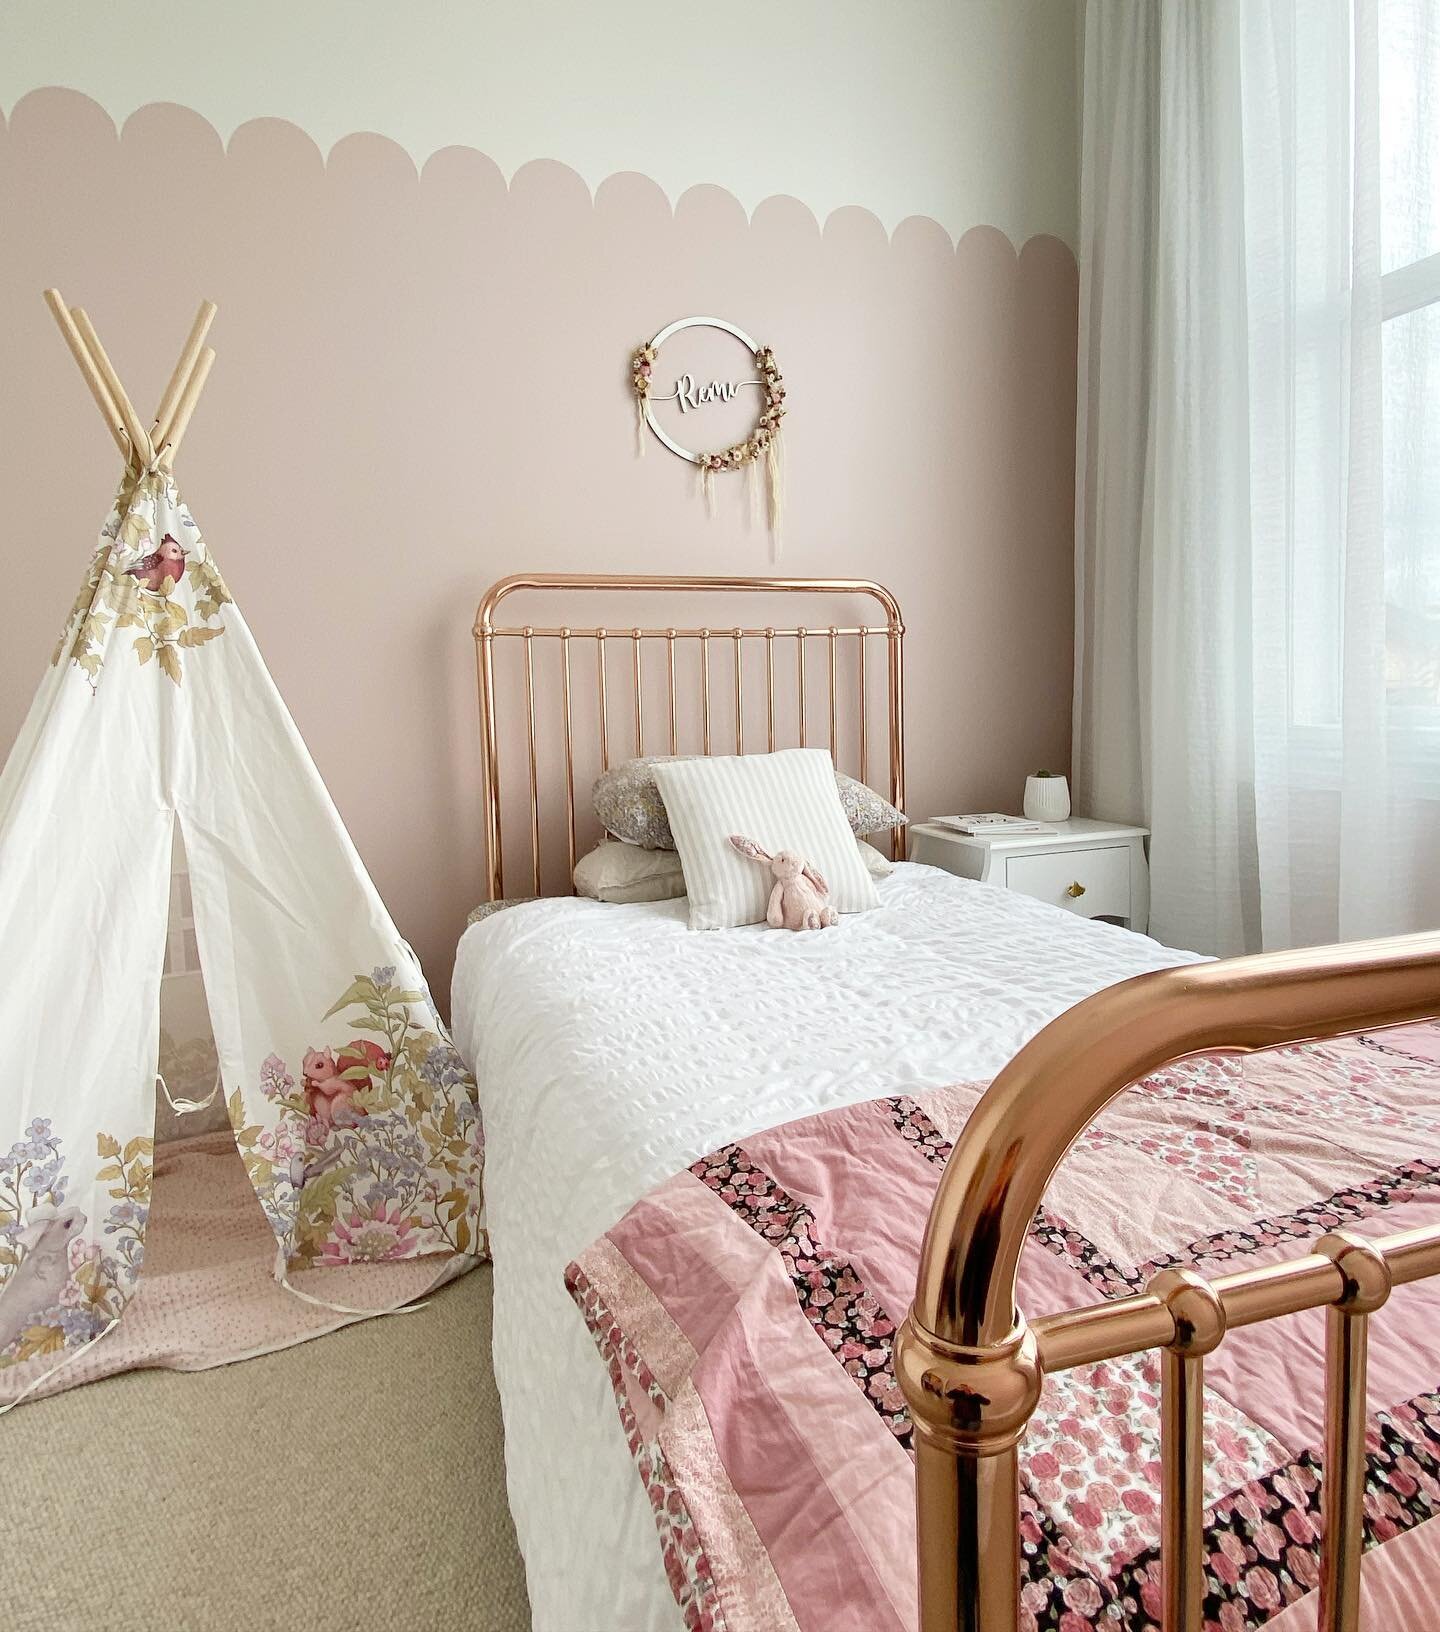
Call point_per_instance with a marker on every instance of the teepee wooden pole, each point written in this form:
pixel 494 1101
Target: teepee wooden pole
pixel 165 413
pixel 109 409
pixel 139 436
pixel 186 406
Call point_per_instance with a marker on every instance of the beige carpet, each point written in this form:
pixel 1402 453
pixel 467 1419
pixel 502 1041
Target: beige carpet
pixel 352 1483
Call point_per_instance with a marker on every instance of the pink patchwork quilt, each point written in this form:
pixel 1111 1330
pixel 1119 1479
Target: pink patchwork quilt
pixel 745 1311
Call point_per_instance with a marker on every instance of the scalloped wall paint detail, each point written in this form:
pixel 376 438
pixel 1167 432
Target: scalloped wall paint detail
pixel 964 112
pixel 383 434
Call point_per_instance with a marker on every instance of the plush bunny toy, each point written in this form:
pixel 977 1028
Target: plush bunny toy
pixel 798 899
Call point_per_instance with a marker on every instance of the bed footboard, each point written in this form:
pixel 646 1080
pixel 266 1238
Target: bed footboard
pixel 971 1368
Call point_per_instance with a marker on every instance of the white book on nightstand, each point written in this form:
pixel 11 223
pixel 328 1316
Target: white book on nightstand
pixel 990 824
pixel 1093 869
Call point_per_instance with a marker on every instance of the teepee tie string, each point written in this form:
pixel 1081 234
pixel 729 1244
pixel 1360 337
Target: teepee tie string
pixel 185 1107
pixel 282 1275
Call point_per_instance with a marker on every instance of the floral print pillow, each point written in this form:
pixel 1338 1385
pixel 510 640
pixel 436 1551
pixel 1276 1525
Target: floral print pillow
pixel 629 805
pixel 488 909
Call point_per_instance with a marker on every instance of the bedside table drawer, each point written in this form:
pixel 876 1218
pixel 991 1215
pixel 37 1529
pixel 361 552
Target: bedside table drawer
pixel 1103 877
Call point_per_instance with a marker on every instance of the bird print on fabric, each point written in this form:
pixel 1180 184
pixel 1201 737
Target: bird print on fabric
pixel 303 1169
pixel 148 551
pixel 43 1271
pixel 162 568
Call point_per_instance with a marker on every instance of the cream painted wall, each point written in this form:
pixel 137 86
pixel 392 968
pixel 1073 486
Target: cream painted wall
pixel 961 110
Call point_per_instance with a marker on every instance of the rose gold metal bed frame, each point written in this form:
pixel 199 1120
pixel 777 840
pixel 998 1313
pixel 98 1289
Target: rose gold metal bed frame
pixel 706 640
pixel 970 1366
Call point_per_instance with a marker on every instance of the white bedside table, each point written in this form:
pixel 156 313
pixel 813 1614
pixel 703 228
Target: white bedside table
pixel 1096 869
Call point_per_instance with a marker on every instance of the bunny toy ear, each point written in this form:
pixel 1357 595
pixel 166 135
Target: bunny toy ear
pixel 748 847
pixel 816 878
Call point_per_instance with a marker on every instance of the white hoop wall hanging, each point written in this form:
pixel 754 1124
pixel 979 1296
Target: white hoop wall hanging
pixel 762 445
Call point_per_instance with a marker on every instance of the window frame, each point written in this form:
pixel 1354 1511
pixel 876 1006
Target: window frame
pixel 1316 750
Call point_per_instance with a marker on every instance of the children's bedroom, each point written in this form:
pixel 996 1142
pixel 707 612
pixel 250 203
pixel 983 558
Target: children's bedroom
pixel 720 816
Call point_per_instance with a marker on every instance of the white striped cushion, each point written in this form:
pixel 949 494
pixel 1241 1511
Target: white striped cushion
pixel 784 801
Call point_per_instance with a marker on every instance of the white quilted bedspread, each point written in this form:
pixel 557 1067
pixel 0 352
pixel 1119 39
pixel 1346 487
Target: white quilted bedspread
pixel 613 1046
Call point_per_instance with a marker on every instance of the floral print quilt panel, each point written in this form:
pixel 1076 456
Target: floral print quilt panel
pixel 746 1313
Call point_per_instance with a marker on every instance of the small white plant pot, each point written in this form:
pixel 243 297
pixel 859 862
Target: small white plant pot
pixel 1047 799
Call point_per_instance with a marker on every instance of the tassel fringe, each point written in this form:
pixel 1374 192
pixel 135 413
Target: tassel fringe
pixel 774 484
pixel 775 474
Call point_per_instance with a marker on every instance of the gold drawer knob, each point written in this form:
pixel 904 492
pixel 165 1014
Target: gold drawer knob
pixel 1075 890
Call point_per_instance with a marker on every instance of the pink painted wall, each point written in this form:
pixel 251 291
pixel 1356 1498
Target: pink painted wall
pixel 421 386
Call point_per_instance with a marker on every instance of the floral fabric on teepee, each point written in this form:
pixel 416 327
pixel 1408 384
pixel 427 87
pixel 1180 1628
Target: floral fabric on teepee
pixel 356 1119
pixel 377 1151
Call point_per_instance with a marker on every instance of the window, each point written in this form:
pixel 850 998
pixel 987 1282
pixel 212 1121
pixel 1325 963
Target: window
pixel 1335 565
pixel 1410 350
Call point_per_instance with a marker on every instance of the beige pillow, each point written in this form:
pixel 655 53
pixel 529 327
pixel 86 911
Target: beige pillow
pixel 783 801
pixel 623 872
pixel 877 863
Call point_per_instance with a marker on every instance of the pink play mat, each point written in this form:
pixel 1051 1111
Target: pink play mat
pixel 207 1294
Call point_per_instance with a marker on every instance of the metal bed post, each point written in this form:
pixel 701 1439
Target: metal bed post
pixel 971 1368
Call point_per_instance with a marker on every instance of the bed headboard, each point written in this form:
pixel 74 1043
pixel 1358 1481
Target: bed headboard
pixel 551 691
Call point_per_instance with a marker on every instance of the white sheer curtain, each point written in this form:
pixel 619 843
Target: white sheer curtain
pixel 1258 512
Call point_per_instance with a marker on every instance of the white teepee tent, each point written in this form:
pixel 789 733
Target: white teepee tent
pixel 355 1117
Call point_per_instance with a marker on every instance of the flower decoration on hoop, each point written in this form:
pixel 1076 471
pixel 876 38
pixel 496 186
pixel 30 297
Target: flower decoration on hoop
pixel 642 365
pixel 762 444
